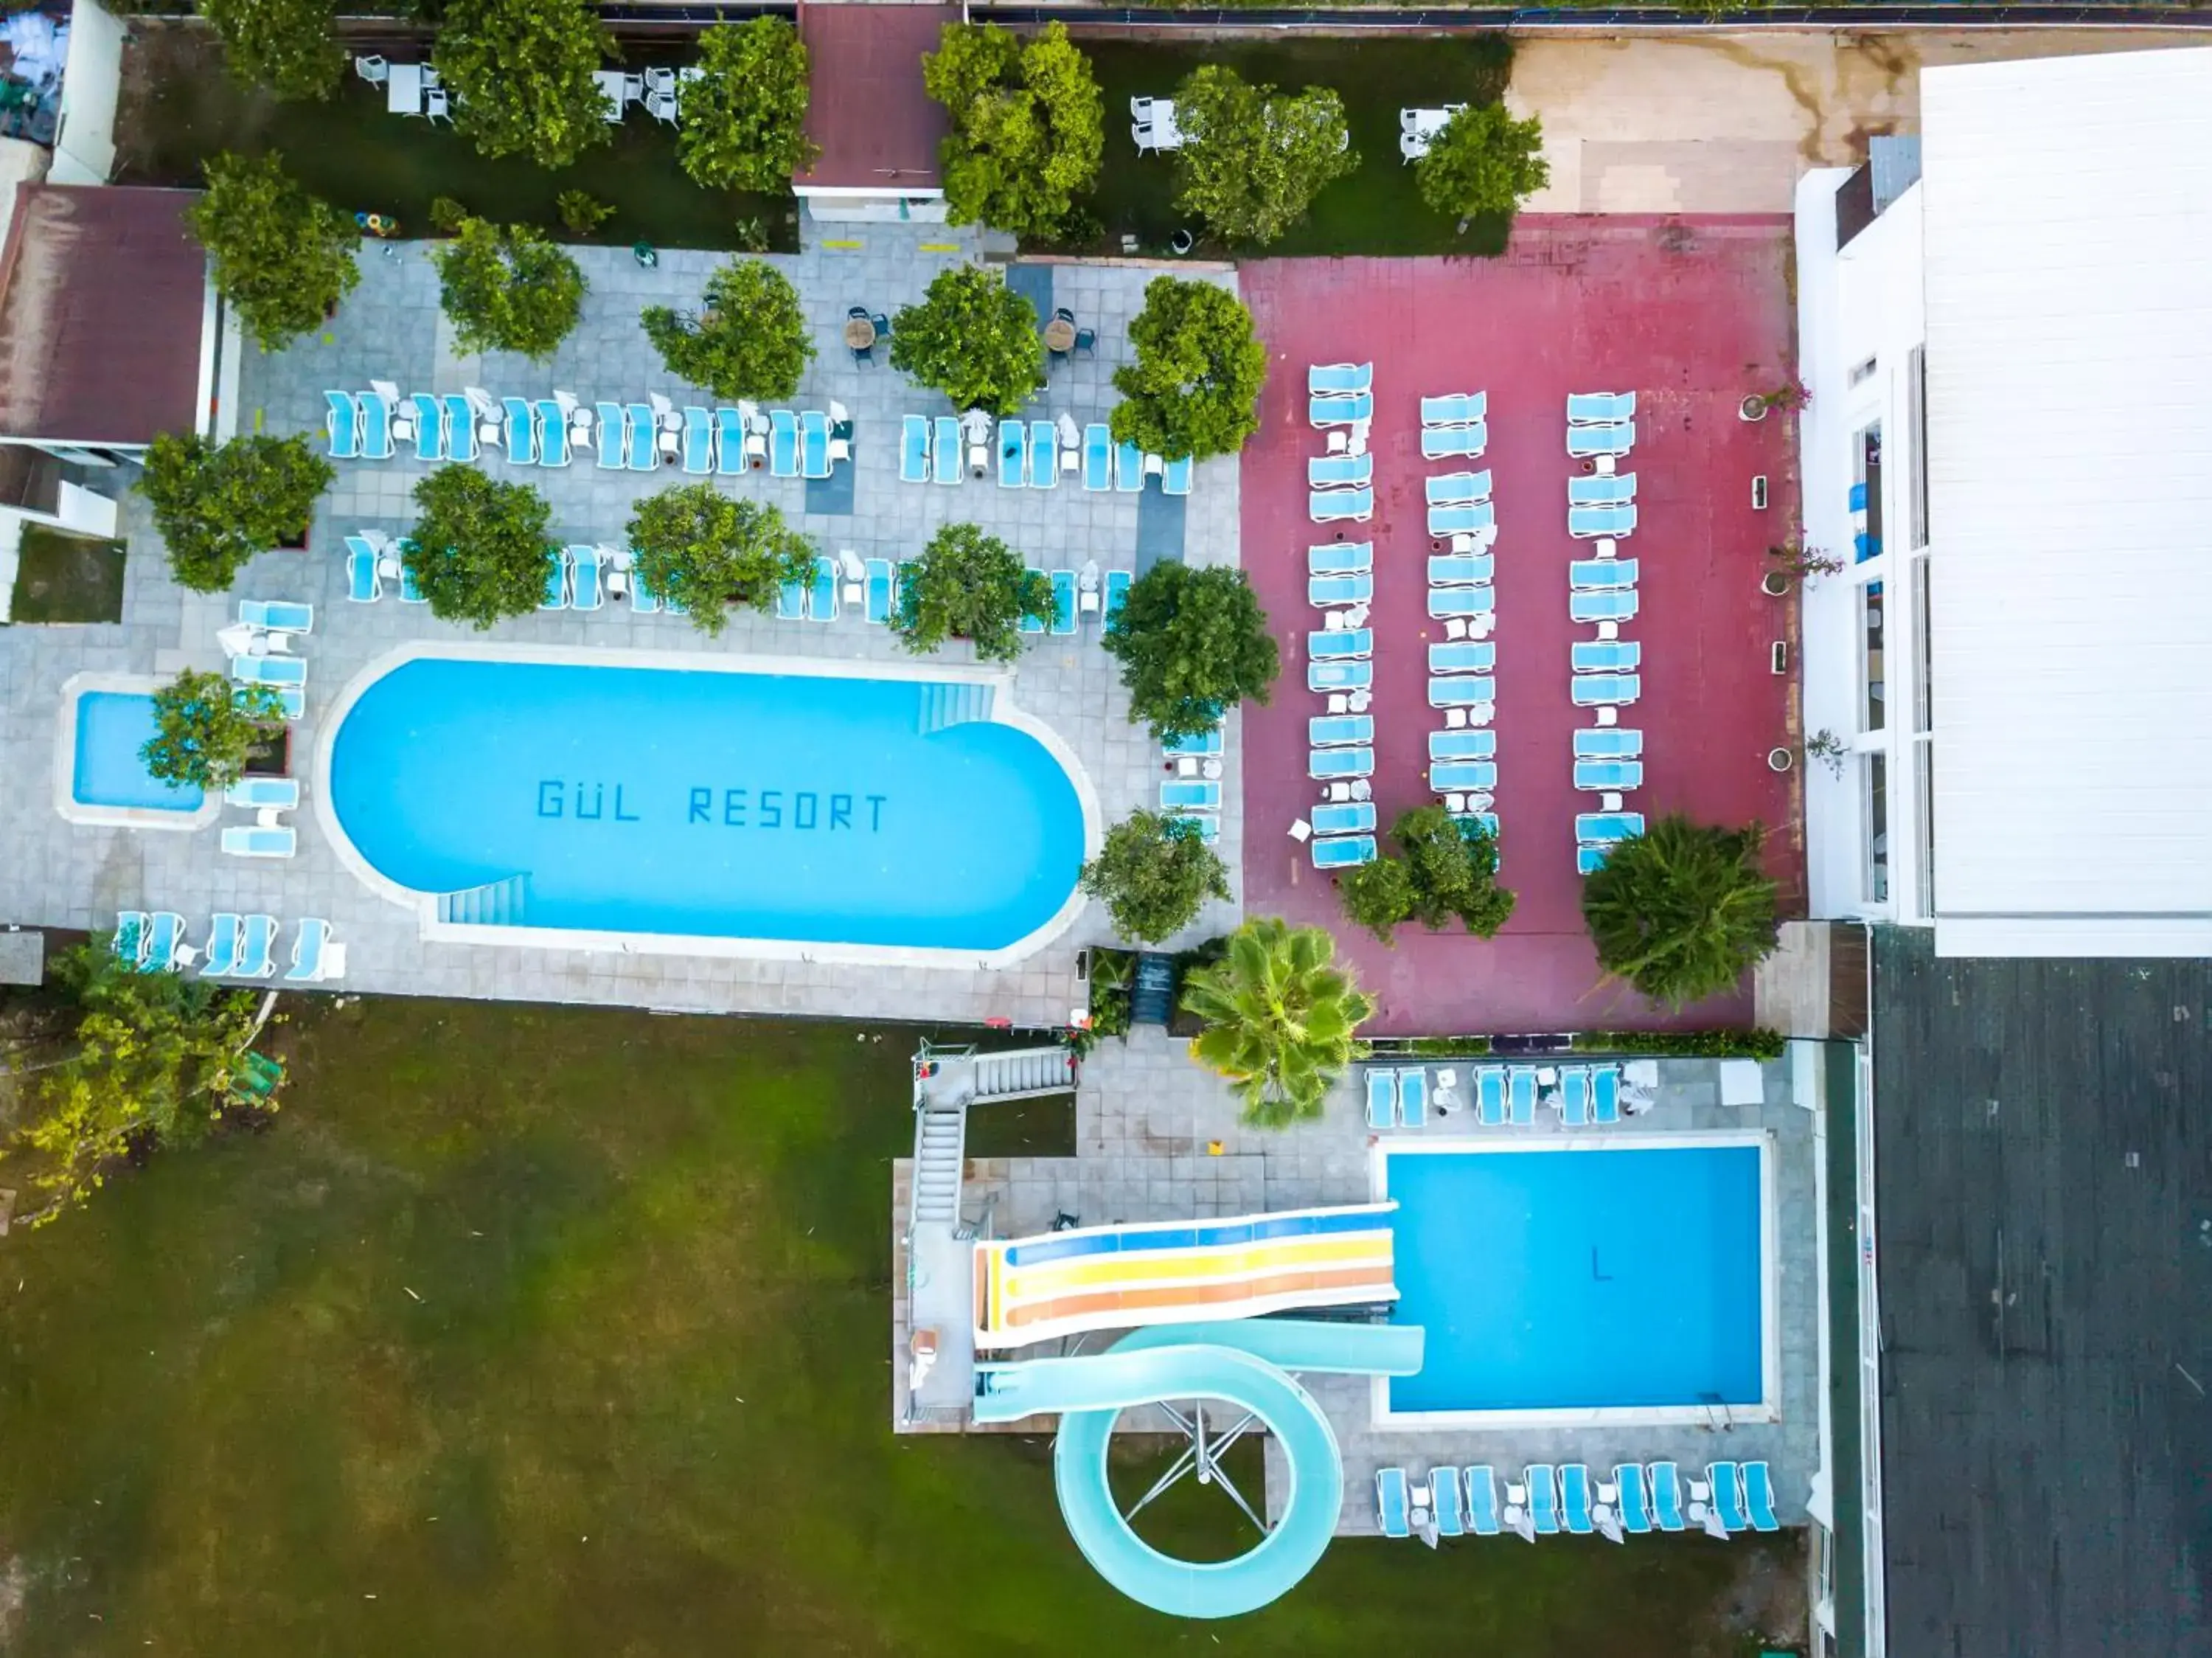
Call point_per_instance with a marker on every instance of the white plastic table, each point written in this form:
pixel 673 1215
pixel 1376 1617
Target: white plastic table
pixel 609 82
pixel 1166 134
pixel 402 89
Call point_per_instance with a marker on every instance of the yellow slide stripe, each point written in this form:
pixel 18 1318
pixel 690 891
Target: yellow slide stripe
pixel 1063 1277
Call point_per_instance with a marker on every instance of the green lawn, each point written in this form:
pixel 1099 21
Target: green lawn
pixel 1375 210
pixel 556 1331
pixel 60 577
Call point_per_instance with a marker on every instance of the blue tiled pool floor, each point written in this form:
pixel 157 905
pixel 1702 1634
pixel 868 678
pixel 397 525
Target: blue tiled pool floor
pixel 112 727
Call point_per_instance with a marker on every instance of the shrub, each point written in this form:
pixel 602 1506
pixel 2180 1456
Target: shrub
pixel 741 121
pixel 217 505
pixel 1194 388
pixel 972 338
pixel 1027 126
pixel 1112 973
pixel 1483 162
pixel 521 75
pixel 478 551
pixel 1152 874
pixel 508 289
pixel 1377 895
pixel 287 45
pixel 968 585
pixel 1755 1042
pixel 1280 1020
pixel 582 212
pixel 1191 642
pixel 750 341
pixel 712 554
pixel 1251 161
pixel 1446 871
pixel 1682 911
pixel 447 215
pixel 205 729
pixel 281 258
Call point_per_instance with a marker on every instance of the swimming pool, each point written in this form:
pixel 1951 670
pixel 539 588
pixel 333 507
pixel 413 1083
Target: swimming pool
pixel 99 777
pixel 752 806
pixel 1615 1279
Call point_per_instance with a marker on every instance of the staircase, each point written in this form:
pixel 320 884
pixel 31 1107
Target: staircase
pixel 1151 994
pixel 495 904
pixel 1023 1073
pixel 955 702
pixel 939 1140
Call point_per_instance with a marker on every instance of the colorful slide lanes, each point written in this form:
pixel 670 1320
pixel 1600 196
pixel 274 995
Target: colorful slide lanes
pixel 1062 1283
pixel 1244 1362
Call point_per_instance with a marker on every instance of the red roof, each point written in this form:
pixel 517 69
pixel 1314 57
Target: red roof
pixel 875 126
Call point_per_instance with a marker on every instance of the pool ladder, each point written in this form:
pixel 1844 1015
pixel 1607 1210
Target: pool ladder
pixel 953 702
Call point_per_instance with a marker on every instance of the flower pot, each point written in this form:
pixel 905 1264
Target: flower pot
pixel 1774 583
pixel 272 755
pixel 295 542
pixel 1780 759
pixel 1752 408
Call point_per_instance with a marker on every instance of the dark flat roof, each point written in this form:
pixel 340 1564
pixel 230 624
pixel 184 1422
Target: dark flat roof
pixel 877 128
pixel 102 290
pixel 2043 1220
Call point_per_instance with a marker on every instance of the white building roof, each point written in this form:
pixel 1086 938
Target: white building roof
pixel 2068 208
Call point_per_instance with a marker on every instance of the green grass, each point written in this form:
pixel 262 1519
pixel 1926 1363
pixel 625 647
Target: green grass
pixel 182 108
pixel 1375 210
pixel 561 1331
pixel 61 577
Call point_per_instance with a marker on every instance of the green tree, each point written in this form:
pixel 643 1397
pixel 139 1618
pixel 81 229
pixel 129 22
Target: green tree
pixel 741 121
pixel 1027 126
pixel 281 258
pixel 1377 895
pixel 1152 873
pixel 478 549
pixel 712 554
pixel 149 1063
pixel 1446 871
pixel 205 728
pixel 1191 642
pixel 968 585
pixel 1252 161
pixel 749 341
pixel 507 289
pixel 1682 911
pixel 287 45
pixel 1281 1020
pixel 1194 388
pixel 217 505
pixel 972 338
pixel 1483 162
pixel 521 75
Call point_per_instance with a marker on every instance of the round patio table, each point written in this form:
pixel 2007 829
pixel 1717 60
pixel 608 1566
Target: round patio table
pixel 859 333
pixel 1059 335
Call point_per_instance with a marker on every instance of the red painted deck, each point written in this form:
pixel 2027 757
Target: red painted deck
pixel 1690 315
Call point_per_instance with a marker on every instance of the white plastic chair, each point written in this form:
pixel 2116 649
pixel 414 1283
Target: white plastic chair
pixel 372 69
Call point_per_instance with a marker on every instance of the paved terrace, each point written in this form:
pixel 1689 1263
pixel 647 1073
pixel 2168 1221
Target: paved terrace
pixel 64 875
pixel 1148 1121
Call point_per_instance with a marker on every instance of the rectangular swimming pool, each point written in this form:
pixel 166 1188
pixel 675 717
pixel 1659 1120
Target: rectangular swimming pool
pixel 1611 1278
pixel 111 727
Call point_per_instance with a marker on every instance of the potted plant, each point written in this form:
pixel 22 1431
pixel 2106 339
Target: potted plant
pixel 1794 561
pixel 1791 396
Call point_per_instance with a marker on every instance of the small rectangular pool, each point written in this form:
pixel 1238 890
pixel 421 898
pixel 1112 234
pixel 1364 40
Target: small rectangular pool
pixel 1613 1278
pixel 111 727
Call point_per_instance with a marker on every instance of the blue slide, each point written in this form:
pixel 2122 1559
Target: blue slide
pixel 1245 1362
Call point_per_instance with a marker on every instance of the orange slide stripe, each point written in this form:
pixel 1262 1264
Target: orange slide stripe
pixel 1242 1260
pixel 1106 1302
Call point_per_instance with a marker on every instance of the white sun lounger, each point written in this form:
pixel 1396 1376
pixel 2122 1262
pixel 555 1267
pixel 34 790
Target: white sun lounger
pixel 1462 601
pixel 1610 777
pixel 1608 742
pixel 1325 763
pixel 263 794
pixel 1601 489
pixel 1461 570
pixel 1340 644
pixel 277 615
pixel 1600 575
pixel 1337 730
pixel 1467 519
pixel 221 946
pixel 1614 606
pixel 1455 409
pixel 1128 469
pixel 1337 471
pixel 1604 656
pixel 1455 443
pixel 1456 488
pixel 1616 439
pixel 1462 745
pixel 1343 851
pixel 1390 1503
pixel 1098 456
pixel 1605 828
pixel 1604 690
pixel 1490 1099
pixel 1464 691
pixel 1463 656
pixel 1337 506
pixel 256 948
pixel 260 841
pixel 1323 591
pixel 1456 777
pixel 342 423
pixel 1351 409
pixel 1340 676
pixel 311 948
pixel 1190 795
pixel 1340 559
pixel 1349 818
pixel 1600 408
pixel 1587 524
pixel 1336 379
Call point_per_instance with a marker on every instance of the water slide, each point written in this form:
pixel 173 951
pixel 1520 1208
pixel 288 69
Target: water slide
pixel 1245 1362
pixel 1113 1278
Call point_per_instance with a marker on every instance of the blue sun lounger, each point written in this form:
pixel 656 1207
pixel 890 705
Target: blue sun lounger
pixel 1456 488
pixel 1339 379
pixel 307 946
pixel 1619 607
pixel 1118 583
pixel 1030 622
pixel 1381 1097
pixel 429 427
pixel 1588 860
pixel 1390 1505
pixel 1339 472
pixel 822 596
pixel 1207 826
pixel 1456 777
pixel 1728 1497
pixel 1343 851
pixel 1608 742
pixel 944 458
pixel 1128 468
pixel 222 950
pixel 1617 438
pixel 1464 691
pixel 1347 817
pixel 268 670
pixel 1634 1505
pixel 1194 747
pixel 584 590
pixel 254 841
pixel 552 433
pixel 363 585
pixel 1044 455
pixel 1013 454
pixel 1543 1498
pixel 1335 730
pixel 1608 775
pixel 1324 763
pixel 277 615
pixel 1347 408
pixel 1322 591
pixel 1490 1096
pixel 1604 1093
pixel 1175 477
pixel 518 428
pixel 165 936
pixel 1574 1096
pixel 1600 575
pixel 1481 1501
pixel 1098 456
pixel 914 450
pixel 698 440
pixel 1486 822
pixel 729 440
pixel 879 591
pixel 1413 1096
pixel 1604 828
pixel 1340 559
pixel 1603 690
pixel 782 443
pixel 1064 618
pixel 1340 644
pixel 130 940
pixel 611 432
pixel 1574 1496
pixel 814 443
pixel 1601 489
pixel 643 600
pixel 1520 1096
pixel 341 424
pixel 1461 570
pixel 1585 522
pixel 1462 745
pixel 1340 676
pixel 1604 656
pixel 1463 520
pixel 1759 1497
pixel 375 428
pixel 1444 1502
pixel 1341 506
pixel 556 596
pixel 1666 1483
pixel 791 601
pixel 1600 408
pixel 460 428
pixel 1455 409
pixel 1455 443
pixel 263 794
pixel 638 445
pixel 256 948
pixel 1190 795
pixel 1463 656
pixel 1462 601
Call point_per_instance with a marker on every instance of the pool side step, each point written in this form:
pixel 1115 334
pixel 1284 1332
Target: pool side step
pixel 495 904
pixel 947 702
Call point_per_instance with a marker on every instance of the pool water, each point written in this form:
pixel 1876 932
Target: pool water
pixel 710 804
pixel 1594 1278
pixel 112 727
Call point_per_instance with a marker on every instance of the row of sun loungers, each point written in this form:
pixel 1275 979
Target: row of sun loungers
pixel 1032 454
pixel 1340 584
pixel 1195 803
pixel 1075 594
pixel 238 946
pixel 1503 1095
pixel 1549 1500
pixel 1602 592
pixel 1463 756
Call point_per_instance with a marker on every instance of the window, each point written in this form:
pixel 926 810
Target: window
pixel 1923 697
pixel 1862 372
pixel 1875 768
pixel 1874 705
pixel 1916 392
pixel 1923 806
pixel 1865 492
pixel 1824 1565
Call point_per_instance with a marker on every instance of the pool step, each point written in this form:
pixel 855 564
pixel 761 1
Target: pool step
pixel 495 904
pixel 1024 1073
pixel 940 1135
pixel 955 702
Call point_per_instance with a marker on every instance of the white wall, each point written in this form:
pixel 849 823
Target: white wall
pixel 84 143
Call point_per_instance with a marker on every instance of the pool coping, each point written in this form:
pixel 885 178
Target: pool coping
pixel 73 810
pixel 1769 1407
pixel 1003 709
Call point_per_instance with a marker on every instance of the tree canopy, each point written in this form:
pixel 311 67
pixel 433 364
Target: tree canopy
pixel 521 75
pixel 1483 162
pixel 281 258
pixel 713 554
pixel 972 338
pixel 1446 871
pixel 1281 1019
pixel 968 585
pixel 1194 388
pixel 1191 642
pixel 1253 161
pixel 749 340
pixel 741 121
pixel 507 288
pixel 205 729
pixel 479 548
pixel 1027 126
pixel 1152 873
pixel 217 505
pixel 287 45
pixel 1682 911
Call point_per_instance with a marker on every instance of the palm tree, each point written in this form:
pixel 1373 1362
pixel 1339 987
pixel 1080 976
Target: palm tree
pixel 1682 911
pixel 1281 1019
